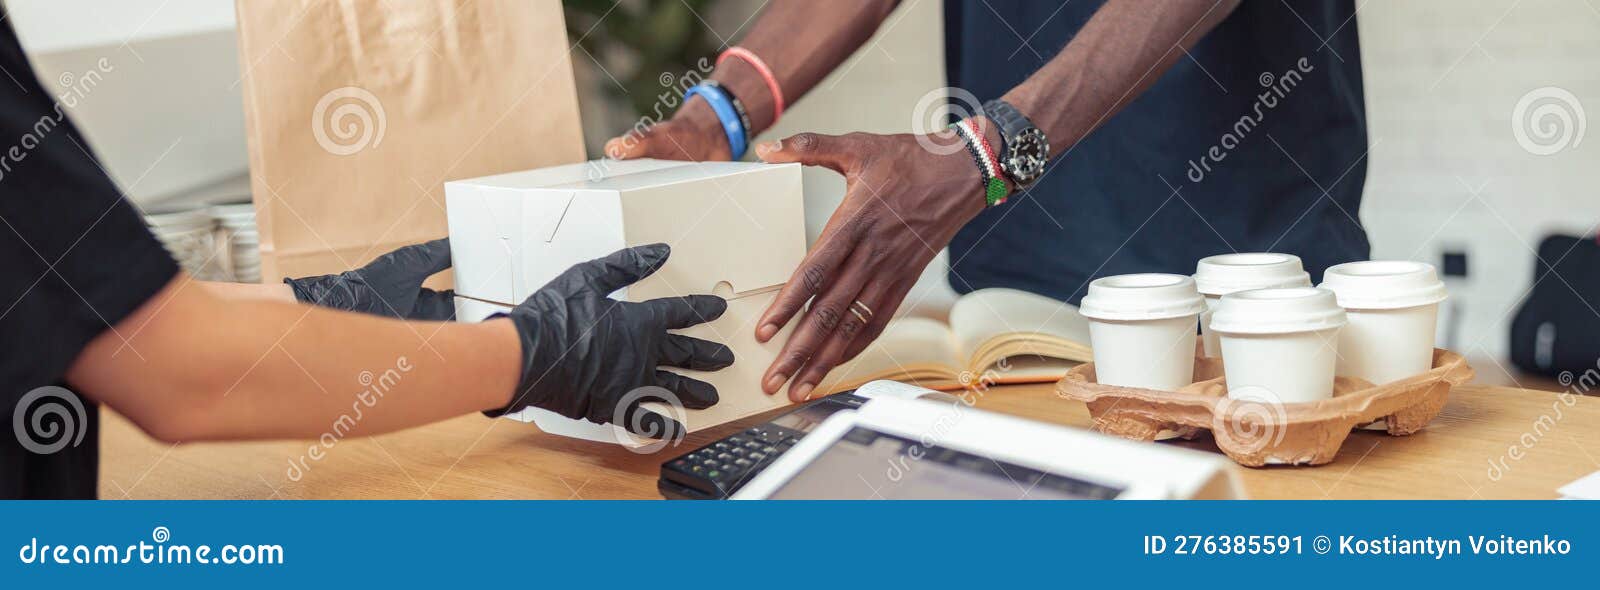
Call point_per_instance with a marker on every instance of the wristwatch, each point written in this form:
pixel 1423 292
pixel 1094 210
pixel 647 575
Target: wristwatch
pixel 1026 151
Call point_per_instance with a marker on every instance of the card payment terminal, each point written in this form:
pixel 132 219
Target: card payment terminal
pixel 719 469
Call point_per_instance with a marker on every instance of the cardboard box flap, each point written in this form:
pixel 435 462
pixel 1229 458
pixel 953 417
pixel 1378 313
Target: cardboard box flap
pixel 526 231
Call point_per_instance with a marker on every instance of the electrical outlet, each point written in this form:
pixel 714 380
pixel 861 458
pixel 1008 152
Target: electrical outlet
pixel 1453 263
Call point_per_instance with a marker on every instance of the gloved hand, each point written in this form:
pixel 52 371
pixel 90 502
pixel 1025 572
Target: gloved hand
pixel 390 286
pixel 584 354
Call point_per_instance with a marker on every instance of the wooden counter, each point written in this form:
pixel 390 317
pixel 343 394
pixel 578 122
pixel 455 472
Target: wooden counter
pixel 1467 452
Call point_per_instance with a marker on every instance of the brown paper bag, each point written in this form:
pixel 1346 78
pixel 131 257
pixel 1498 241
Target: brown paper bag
pixel 357 112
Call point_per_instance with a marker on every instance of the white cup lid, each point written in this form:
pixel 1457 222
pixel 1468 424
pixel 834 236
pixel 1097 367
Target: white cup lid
pixel 1384 284
pixel 1145 296
pixel 1225 273
pixel 1283 310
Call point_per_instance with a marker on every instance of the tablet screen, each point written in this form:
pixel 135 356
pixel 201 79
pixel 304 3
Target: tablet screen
pixel 810 415
pixel 866 464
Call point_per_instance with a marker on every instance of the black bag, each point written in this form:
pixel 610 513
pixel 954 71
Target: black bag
pixel 1557 328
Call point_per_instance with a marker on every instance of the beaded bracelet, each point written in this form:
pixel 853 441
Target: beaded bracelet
pixel 994 189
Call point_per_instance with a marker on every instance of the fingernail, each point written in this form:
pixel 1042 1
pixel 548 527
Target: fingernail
pixel 766 332
pixel 774 382
pixel 767 147
pixel 802 391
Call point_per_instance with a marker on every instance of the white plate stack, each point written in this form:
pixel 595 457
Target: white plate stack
pixel 188 236
pixel 238 223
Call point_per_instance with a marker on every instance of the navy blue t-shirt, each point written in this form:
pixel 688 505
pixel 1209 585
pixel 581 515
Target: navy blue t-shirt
pixel 1266 152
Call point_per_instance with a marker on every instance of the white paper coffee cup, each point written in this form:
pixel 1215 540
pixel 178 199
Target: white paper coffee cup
pixel 1142 330
pixel 1219 275
pixel 1393 307
pixel 1280 344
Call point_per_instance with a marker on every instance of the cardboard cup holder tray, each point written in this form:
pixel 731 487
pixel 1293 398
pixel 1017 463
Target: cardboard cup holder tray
pixel 1253 433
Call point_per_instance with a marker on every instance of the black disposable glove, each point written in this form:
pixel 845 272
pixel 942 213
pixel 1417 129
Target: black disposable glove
pixel 585 355
pixel 390 286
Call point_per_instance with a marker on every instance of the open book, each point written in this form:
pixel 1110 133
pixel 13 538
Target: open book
pixel 993 335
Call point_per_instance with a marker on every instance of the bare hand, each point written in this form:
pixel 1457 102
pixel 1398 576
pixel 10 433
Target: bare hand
pixel 903 204
pixel 693 133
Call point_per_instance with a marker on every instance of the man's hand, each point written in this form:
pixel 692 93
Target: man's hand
pixel 693 133
pixel 584 353
pixel 390 286
pixel 906 197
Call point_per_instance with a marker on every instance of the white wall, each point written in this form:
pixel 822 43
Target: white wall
pixel 1446 168
pixel 166 113
pixel 47 26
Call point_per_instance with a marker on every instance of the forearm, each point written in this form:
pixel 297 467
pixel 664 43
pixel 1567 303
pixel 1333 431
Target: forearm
pixel 1124 48
pixel 262 291
pixel 801 41
pixel 198 367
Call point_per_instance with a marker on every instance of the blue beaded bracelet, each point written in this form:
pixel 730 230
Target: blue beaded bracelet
pixel 722 105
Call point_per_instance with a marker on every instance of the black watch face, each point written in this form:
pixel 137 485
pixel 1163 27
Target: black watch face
pixel 1027 154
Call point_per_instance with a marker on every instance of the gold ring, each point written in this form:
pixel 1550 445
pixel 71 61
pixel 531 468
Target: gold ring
pixel 857 308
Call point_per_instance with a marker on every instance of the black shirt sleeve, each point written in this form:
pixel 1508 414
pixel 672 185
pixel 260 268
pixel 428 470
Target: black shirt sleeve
pixel 75 259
